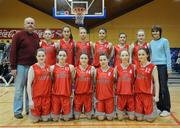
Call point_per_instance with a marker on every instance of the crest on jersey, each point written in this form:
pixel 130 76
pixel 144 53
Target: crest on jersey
pixel 130 71
pixel 148 70
pixel 88 72
pixel 47 69
pixel 109 73
pixel 66 68
pixel 145 47
pixel 106 45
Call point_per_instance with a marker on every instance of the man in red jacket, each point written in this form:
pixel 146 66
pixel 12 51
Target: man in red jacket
pixel 22 56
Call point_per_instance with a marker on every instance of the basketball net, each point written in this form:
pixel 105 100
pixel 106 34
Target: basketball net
pixel 79 15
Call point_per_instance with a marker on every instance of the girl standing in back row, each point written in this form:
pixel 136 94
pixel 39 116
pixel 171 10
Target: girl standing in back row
pixel 102 46
pixel 140 43
pixel 49 46
pixel 67 43
pixel 119 47
pixel 83 46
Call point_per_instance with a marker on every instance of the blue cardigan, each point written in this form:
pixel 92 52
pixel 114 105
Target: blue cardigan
pixel 160 52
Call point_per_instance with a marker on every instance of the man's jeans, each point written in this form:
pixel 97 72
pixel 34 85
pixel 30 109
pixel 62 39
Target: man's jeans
pixel 20 86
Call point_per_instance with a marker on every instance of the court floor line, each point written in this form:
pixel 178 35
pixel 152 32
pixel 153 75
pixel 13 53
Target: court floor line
pixel 88 125
pixel 175 118
pixel 177 123
pixel 3 94
pixel 94 124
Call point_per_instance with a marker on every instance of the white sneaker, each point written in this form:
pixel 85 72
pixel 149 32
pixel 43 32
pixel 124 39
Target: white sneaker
pixel 164 113
pixel 158 111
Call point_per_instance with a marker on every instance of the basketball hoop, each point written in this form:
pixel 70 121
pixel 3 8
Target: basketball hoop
pixel 79 15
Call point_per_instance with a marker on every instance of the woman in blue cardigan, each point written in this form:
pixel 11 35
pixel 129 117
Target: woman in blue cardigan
pixel 160 56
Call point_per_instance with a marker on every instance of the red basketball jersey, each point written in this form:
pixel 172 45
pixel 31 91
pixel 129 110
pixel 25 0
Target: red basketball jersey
pixel 62 80
pixel 42 81
pixel 104 84
pixel 117 51
pixel 50 51
pixel 83 81
pixel 135 52
pixel 69 47
pixel 143 82
pixel 82 48
pixel 125 81
pixel 99 49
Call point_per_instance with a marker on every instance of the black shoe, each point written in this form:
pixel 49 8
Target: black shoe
pixel 27 113
pixel 18 116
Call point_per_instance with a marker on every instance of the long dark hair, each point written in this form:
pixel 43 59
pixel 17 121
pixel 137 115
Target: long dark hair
pixel 67 26
pixel 147 52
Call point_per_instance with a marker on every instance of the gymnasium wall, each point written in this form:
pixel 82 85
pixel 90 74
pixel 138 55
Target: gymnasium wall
pixel 163 12
pixel 13 13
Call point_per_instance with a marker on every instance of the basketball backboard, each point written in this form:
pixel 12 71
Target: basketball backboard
pixel 63 9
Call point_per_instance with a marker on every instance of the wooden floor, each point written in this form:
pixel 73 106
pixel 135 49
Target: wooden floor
pixel 7 119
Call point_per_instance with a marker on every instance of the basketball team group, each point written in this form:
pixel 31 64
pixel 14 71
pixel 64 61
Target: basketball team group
pixel 65 79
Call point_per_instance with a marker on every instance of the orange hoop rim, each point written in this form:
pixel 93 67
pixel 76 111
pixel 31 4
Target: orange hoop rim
pixel 79 10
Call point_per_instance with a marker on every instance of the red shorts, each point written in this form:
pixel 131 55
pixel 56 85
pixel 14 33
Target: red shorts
pixel 143 104
pixel 42 106
pixel 83 99
pixel 125 102
pixel 61 105
pixel 105 106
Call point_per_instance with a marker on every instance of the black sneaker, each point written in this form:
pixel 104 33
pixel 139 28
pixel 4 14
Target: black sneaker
pixel 27 113
pixel 18 116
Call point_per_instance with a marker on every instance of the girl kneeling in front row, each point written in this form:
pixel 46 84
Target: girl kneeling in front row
pixel 104 77
pixel 146 88
pixel 63 74
pixel 84 88
pixel 39 89
pixel 125 87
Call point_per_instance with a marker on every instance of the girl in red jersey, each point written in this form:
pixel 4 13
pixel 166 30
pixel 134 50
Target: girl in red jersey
pixel 125 87
pixel 67 43
pixel 121 46
pixel 146 88
pixel 83 87
pixel 49 47
pixel 63 74
pixel 102 46
pixel 83 46
pixel 39 89
pixel 140 43
pixel 104 78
